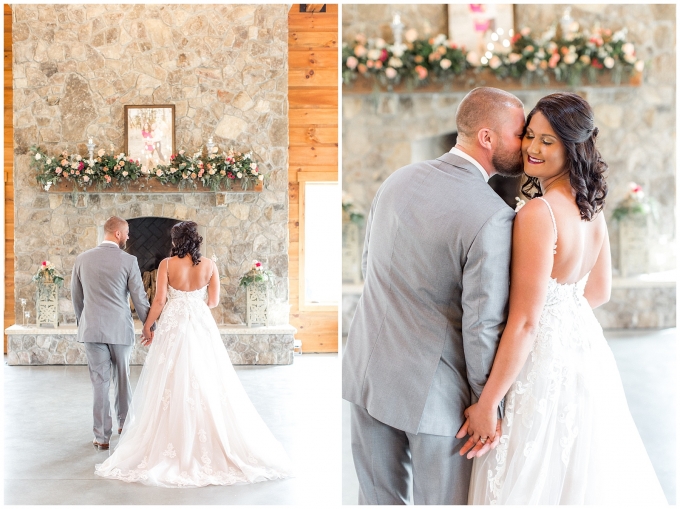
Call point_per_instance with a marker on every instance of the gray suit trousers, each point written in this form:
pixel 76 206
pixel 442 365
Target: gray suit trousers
pixel 106 361
pixel 390 461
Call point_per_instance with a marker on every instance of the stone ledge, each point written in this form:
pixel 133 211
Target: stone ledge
pixel 30 345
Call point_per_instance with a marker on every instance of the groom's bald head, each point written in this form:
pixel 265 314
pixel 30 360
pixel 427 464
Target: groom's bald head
pixel 484 107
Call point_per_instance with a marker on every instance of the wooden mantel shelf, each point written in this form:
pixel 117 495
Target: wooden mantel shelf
pixel 484 78
pixel 144 185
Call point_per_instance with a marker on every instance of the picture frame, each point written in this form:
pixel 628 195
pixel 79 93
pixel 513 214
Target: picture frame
pixel 149 133
pixel 472 26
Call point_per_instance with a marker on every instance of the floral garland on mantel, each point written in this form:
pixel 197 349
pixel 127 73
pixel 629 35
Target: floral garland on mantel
pixel 439 59
pixel 215 170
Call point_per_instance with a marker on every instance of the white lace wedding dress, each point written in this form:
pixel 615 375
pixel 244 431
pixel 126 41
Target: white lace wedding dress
pixel 567 436
pixel 191 423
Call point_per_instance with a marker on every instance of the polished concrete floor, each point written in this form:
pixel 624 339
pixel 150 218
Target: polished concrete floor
pixel 648 365
pixel 49 458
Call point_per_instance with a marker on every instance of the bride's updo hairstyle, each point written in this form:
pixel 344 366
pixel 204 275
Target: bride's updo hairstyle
pixel 571 118
pixel 186 241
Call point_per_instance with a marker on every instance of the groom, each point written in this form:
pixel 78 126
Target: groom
pixel 102 279
pixel 436 269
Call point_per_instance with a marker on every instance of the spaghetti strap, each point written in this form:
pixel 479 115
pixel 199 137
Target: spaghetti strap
pixel 552 216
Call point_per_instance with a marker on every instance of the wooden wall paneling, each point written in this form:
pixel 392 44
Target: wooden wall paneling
pixel 8 176
pixel 313 140
pixel 313 116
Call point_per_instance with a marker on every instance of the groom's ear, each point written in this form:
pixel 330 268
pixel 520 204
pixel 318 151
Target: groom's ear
pixel 484 138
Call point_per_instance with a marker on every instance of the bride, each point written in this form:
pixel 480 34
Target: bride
pixel 567 436
pixel 191 423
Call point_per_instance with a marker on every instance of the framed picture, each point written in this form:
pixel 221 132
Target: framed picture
pixel 150 133
pixel 476 26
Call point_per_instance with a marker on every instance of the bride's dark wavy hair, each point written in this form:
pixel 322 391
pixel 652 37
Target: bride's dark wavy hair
pixel 186 241
pixel 571 117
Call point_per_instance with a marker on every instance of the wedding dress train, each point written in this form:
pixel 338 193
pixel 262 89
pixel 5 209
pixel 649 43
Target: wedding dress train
pixel 191 423
pixel 567 436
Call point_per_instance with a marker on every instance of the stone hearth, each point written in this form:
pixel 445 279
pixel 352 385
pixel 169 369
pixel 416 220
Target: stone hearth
pixel 30 345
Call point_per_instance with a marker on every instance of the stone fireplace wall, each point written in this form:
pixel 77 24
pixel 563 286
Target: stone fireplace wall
pixel 224 67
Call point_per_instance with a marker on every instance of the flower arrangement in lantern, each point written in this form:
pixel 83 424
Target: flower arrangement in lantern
pixel 635 204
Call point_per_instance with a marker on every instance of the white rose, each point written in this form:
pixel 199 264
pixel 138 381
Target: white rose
pixel 585 59
pixel 214 150
pixel 352 62
pixel 513 58
pixel 628 48
pixel 609 62
pixel 395 62
pixel 374 54
pixel 639 65
pixel 411 35
pixel 360 51
pixel 629 58
pixel 37 157
pixel 439 40
pixel 49 160
pixel 47 186
pixel 211 172
pixel 159 173
pixel 239 174
pixel 472 58
pixel 253 166
pixel 86 178
pixel 125 174
pixel 260 177
pixel 398 50
pixel 74 166
pixel 569 58
pixel 445 63
pixel 380 43
pixel 78 158
pixel 101 152
pixel 390 73
pixel 181 152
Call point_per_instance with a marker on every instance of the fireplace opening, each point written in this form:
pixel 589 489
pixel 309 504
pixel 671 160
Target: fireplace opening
pixel 149 240
pixel 431 148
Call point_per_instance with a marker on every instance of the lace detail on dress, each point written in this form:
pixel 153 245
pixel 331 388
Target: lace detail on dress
pixel 567 436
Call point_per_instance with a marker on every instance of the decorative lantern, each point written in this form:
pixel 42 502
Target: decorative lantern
pixel 46 309
pixel 256 304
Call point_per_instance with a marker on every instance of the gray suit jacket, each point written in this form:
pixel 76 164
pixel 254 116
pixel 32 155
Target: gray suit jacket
pixel 102 279
pixel 436 270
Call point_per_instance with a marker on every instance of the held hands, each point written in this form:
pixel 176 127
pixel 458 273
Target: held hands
pixel 147 335
pixel 484 429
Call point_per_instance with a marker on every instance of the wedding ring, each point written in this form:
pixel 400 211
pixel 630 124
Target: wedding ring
pixel 483 440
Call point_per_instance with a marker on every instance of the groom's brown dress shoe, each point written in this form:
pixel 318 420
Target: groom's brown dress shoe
pixel 101 447
pixel 120 430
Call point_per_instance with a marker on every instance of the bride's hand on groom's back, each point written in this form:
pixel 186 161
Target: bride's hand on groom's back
pixel 484 429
